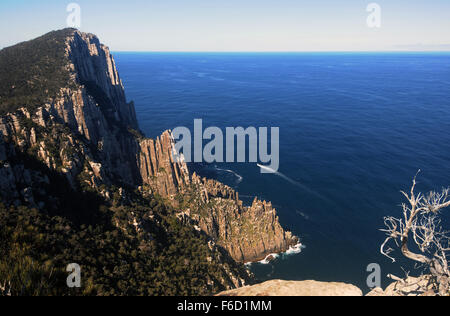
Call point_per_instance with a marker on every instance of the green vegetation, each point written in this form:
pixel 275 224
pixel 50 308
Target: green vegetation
pixel 125 243
pixel 32 73
pixel 159 256
pixel 35 248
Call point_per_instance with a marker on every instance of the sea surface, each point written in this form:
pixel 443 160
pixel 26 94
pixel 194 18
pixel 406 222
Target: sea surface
pixel 354 130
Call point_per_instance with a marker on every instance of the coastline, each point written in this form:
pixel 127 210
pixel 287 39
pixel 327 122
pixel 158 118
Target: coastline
pixel 292 250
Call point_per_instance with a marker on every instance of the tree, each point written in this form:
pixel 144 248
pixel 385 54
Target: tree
pixel 421 226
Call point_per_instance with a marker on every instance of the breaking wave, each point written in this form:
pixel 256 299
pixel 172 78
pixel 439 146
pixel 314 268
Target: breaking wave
pixel 267 260
pixel 293 250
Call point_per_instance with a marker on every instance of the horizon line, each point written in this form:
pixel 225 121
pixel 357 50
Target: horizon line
pixel 280 52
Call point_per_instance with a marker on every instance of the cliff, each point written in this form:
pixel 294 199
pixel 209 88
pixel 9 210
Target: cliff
pixel 248 233
pixel 65 119
pixel 86 127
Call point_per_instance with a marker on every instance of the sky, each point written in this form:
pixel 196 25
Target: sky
pixel 238 25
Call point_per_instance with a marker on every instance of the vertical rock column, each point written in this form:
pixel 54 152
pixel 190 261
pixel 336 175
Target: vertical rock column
pixel 159 168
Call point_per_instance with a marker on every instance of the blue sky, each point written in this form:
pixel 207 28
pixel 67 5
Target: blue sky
pixel 238 25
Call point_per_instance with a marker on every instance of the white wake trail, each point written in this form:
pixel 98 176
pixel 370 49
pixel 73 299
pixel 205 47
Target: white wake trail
pixel 238 176
pixel 296 183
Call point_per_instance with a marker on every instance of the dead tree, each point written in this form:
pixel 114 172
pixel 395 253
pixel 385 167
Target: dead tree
pixel 421 226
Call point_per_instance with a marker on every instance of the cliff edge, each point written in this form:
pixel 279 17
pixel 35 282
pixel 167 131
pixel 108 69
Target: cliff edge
pixel 65 118
pixel 296 288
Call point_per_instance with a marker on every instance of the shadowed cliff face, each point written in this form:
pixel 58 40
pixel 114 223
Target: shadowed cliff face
pixel 89 133
pixel 85 129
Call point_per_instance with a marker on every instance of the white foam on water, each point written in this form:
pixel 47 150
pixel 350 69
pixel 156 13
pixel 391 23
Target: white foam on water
pixel 267 261
pixel 305 216
pixel 293 250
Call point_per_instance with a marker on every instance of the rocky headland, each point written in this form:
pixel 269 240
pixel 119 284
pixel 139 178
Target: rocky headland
pixel 79 182
pixel 81 127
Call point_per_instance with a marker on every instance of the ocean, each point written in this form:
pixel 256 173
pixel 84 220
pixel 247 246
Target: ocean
pixel 354 130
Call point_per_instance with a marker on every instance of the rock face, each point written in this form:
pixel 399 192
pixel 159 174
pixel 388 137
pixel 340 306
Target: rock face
pixel 296 288
pixel 89 134
pixel 158 168
pixel 84 123
pixel 94 66
pixel 248 233
pixel 412 286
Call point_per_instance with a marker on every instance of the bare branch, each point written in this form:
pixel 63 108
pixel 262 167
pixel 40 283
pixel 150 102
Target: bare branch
pixel 421 224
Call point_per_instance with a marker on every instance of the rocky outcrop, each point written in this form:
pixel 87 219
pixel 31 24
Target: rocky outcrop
pixel 248 233
pixel 158 168
pixel 89 133
pixel 93 65
pixel 96 114
pixel 411 286
pixel 18 182
pixel 296 288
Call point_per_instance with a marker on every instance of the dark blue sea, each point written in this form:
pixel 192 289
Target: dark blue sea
pixel 354 130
